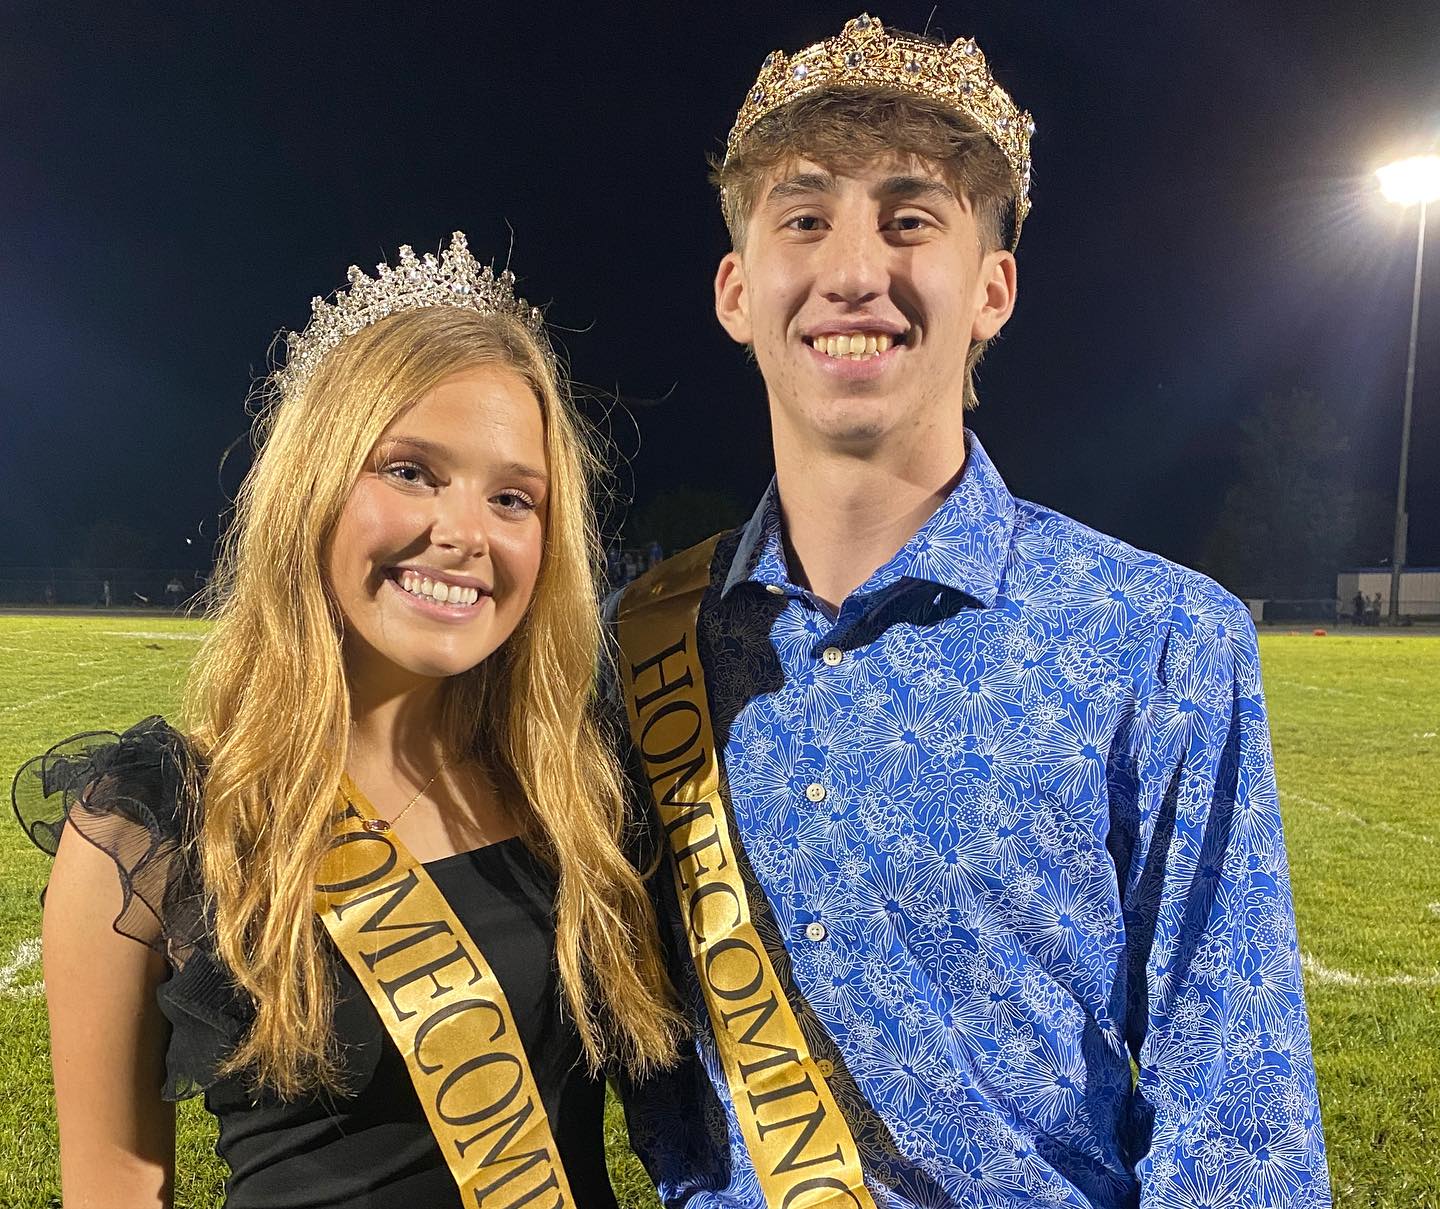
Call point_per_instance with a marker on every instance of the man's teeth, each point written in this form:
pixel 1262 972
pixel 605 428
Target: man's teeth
pixel 436 590
pixel 855 345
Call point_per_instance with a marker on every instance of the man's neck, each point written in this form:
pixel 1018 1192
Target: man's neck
pixel 846 514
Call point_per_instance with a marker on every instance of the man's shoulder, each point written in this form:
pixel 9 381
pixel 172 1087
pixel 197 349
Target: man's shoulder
pixel 1061 559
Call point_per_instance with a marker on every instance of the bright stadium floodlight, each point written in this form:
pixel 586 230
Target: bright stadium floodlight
pixel 1412 182
pixel 1409 182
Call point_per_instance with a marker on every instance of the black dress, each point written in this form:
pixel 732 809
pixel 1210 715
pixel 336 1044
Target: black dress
pixel 371 1148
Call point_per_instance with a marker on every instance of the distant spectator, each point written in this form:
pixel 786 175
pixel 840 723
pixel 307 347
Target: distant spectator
pixel 1358 608
pixel 105 593
pixel 174 591
pixel 654 554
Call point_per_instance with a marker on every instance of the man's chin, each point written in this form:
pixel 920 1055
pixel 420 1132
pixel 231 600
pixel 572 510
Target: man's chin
pixel 853 422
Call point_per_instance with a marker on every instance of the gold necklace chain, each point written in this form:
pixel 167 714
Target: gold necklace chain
pixel 387 824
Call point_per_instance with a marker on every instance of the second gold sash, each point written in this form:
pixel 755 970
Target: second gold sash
pixel 798 1139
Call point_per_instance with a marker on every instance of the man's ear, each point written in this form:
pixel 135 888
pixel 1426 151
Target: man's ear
pixel 996 286
pixel 732 300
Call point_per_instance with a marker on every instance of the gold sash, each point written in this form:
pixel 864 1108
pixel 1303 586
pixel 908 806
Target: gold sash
pixel 444 1009
pixel 798 1139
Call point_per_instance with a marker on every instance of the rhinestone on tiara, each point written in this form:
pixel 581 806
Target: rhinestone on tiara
pixel 454 278
pixel 864 55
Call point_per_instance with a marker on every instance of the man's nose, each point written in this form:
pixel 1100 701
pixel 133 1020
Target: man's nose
pixel 855 263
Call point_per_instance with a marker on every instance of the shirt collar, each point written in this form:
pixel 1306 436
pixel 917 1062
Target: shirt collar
pixel 964 545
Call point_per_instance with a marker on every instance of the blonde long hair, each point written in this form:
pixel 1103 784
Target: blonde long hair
pixel 268 710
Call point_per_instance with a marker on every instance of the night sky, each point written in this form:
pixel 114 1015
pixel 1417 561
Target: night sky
pixel 176 182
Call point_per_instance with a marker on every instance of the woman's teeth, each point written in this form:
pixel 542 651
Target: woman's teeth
pixel 436 590
pixel 855 345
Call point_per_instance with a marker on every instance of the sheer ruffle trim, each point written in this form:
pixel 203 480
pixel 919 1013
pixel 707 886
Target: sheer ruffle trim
pixel 129 795
pixel 132 796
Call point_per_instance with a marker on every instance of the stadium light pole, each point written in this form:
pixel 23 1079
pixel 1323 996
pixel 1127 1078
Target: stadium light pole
pixel 1408 182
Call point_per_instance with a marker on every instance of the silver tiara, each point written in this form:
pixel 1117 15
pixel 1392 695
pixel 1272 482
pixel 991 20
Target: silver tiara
pixel 454 278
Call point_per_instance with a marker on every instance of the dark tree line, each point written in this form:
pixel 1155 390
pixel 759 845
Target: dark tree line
pixel 1296 513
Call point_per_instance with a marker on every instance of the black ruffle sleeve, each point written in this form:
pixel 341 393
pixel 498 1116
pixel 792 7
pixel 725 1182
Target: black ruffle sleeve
pixel 128 795
pixel 132 795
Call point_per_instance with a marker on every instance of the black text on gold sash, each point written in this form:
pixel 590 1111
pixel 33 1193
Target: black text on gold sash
pixel 428 985
pixel 804 1155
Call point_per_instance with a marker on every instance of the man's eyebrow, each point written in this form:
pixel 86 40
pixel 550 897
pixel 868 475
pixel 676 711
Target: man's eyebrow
pixel 806 182
pixel 915 188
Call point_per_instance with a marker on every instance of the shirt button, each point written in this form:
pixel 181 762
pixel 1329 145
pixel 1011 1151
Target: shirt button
pixel 832 655
pixel 815 791
pixel 825 1067
pixel 775 589
pixel 815 931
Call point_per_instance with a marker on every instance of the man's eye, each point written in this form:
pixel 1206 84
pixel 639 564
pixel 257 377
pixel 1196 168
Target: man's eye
pixel 909 222
pixel 804 222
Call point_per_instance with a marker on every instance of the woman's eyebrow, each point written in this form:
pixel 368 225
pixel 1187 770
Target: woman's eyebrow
pixel 419 444
pixel 441 452
pixel 524 470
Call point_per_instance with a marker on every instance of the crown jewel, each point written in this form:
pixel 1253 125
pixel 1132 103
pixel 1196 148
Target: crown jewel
pixel 864 55
pixel 454 278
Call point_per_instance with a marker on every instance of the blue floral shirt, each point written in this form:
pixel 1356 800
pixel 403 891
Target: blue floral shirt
pixel 1014 845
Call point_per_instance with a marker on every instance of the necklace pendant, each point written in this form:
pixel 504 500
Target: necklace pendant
pixel 376 825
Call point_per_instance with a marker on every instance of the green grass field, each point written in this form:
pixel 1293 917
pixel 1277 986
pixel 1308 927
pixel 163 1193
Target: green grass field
pixel 1355 723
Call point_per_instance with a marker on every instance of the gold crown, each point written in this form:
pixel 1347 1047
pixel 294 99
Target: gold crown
pixel 863 55
pixel 454 278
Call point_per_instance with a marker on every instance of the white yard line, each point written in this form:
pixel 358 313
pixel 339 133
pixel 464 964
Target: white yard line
pixel 70 692
pixel 1349 694
pixel 154 634
pixel 26 954
pixel 66 655
pixel 1316 972
pixel 1351 817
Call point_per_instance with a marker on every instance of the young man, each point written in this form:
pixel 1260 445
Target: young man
pixel 977 882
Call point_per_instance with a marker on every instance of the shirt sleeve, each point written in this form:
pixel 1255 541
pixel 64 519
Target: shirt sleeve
pixel 1225 1108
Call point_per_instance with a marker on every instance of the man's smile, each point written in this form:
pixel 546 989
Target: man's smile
pixel 863 341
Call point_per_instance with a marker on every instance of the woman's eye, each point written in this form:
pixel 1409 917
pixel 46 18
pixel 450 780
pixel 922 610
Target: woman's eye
pixel 515 501
pixel 411 473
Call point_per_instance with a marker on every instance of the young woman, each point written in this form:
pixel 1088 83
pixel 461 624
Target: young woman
pixel 385 917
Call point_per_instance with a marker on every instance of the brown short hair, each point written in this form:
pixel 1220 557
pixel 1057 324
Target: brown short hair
pixel 840 128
